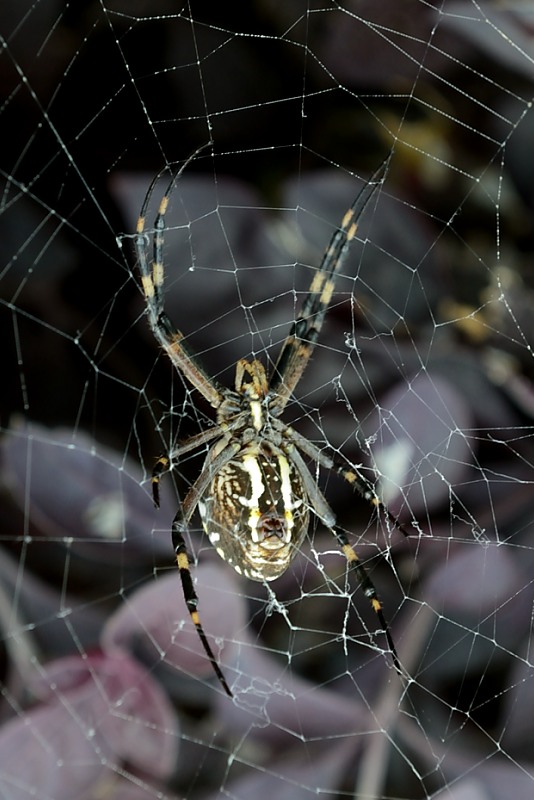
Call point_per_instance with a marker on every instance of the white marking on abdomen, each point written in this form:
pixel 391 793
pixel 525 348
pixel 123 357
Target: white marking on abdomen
pixel 251 466
pixel 287 494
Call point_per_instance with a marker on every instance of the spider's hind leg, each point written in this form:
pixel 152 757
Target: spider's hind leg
pixel 323 511
pixel 368 589
pixel 162 465
pixel 190 595
pixel 353 476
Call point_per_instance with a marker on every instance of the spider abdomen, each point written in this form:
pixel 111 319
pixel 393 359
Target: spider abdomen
pixel 256 511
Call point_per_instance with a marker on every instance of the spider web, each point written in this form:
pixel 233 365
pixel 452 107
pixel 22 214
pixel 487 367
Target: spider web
pixel 422 379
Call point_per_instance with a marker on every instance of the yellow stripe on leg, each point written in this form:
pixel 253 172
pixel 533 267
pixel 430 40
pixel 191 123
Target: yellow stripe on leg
pixel 326 294
pixel 349 553
pixel 182 561
pixel 158 274
pixel 317 283
pixel 148 286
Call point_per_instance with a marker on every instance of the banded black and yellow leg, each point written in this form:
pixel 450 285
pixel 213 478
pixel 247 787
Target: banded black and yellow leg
pixel 299 345
pixel 327 517
pixel 165 462
pixel 191 598
pixel 368 589
pixel 152 278
pixel 366 491
pixel 162 465
pixel 355 478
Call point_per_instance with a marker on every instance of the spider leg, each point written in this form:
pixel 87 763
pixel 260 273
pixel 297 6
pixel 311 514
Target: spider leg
pixel 152 278
pixel 300 343
pixel 352 476
pixel 222 453
pixel 323 511
pixel 368 589
pixel 190 595
pixel 215 461
pixel 165 462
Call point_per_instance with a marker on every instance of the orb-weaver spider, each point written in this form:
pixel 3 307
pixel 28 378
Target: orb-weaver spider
pixel 255 492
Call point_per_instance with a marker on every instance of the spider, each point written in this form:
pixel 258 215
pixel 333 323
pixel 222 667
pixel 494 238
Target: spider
pixel 255 492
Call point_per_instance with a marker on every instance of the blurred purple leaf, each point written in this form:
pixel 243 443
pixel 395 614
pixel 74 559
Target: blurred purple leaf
pixel 73 489
pixel 391 40
pixel 418 444
pixel 41 622
pixel 124 789
pixel 298 776
pixel 283 705
pixel 474 378
pixel 516 711
pixel 493 779
pixel 96 714
pixel 491 568
pixel 483 600
pixel 464 789
pixel 154 622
